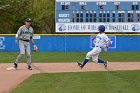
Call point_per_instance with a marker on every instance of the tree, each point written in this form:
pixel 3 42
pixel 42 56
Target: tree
pixel 42 13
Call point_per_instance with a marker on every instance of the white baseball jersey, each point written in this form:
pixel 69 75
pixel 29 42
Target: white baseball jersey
pixel 101 39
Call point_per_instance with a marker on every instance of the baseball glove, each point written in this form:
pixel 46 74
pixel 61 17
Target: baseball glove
pixel 35 48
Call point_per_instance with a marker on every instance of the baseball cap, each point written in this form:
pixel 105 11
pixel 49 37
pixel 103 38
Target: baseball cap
pixel 28 20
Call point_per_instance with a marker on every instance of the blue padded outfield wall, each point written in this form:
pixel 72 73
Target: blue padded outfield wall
pixel 71 43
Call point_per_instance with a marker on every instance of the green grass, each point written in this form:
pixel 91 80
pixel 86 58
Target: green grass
pixel 71 56
pixel 86 82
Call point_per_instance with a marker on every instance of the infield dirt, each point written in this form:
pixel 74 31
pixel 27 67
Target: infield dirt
pixel 9 79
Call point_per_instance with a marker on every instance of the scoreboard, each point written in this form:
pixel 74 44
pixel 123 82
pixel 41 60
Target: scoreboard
pixel 87 15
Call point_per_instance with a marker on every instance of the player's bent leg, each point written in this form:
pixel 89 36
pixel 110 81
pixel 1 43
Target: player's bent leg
pixel 28 56
pixel 100 61
pixel 17 60
pixel 85 60
pixel 22 52
pixel 29 62
pixel 96 59
pixel 84 63
pixel 103 62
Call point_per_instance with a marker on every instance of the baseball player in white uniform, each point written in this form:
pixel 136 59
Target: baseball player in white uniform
pixel 101 40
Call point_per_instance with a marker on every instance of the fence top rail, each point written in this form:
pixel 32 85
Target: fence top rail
pixel 74 34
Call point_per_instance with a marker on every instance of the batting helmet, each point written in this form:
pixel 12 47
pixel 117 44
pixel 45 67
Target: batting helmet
pixel 101 28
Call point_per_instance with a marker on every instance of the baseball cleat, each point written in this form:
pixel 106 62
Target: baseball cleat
pixel 29 67
pixel 15 65
pixel 105 64
pixel 80 65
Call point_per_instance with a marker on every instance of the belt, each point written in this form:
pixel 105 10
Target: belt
pixel 25 40
pixel 97 46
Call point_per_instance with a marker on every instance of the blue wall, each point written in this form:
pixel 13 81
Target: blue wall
pixel 70 43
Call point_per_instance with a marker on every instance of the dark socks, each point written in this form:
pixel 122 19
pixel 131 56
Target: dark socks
pixel 100 61
pixel 84 62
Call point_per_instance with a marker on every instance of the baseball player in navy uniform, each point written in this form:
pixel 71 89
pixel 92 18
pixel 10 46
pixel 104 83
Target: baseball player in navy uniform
pixel 25 35
pixel 101 40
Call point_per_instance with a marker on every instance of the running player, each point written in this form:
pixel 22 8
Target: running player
pixel 100 41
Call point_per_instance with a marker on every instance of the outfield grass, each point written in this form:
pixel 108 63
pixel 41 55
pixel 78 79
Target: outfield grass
pixel 86 82
pixel 71 56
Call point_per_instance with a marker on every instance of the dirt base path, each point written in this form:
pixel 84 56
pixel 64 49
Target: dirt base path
pixel 9 79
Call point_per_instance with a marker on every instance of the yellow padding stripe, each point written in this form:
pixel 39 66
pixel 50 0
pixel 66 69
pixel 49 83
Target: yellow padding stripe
pixel 74 34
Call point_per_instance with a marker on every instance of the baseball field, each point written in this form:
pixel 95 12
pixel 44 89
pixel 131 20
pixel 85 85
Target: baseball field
pixel 94 78
pixel 58 37
pixel 85 82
